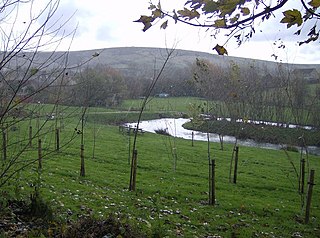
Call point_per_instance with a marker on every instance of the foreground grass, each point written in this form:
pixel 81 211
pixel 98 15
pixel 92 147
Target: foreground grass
pixel 264 202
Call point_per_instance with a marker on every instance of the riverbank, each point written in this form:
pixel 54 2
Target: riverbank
pixel 259 133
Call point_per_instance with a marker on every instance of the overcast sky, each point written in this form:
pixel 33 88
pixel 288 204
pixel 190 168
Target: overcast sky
pixel 104 24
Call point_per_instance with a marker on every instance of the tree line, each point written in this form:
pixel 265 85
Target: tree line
pixel 283 96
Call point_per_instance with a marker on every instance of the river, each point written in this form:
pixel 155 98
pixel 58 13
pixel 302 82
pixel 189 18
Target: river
pixel 175 128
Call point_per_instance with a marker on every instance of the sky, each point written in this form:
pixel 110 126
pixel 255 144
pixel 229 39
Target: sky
pixel 105 24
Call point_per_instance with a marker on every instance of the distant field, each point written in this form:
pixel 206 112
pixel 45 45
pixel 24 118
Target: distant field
pixel 175 104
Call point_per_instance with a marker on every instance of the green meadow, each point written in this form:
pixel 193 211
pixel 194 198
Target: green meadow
pixel 171 197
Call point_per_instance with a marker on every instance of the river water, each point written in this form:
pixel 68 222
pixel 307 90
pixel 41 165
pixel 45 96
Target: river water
pixel 175 128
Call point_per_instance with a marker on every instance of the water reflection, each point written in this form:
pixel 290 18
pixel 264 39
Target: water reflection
pixel 174 128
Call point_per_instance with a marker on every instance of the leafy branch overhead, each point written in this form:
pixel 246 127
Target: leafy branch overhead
pixel 238 17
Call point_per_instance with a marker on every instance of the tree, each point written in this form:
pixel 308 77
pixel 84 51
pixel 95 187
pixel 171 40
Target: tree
pixel 25 31
pixel 99 86
pixel 156 77
pixel 208 79
pixel 239 18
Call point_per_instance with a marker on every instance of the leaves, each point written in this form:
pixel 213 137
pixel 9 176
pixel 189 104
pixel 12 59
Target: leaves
pixel 210 7
pixel 228 7
pixel 195 4
pixel 220 23
pixel 164 25
pixel 292 17
pixel 245 11
pixel 156 13
pixel 189 14
pixel 313 36
pixel 220 50
pixel 234 19
pixel 314 3
pixel 146 20
pixel 234 15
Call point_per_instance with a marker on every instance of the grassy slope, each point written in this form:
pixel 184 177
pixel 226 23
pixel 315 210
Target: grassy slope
pixel 264 202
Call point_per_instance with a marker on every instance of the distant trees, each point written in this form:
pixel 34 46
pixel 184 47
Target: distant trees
pixel 176 82
pixel 243 93
pixel 98 86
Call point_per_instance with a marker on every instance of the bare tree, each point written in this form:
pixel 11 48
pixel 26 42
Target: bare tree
pixel 156 77
pixel 25 31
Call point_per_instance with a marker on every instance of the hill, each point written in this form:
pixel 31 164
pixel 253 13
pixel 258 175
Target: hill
pixel 134 60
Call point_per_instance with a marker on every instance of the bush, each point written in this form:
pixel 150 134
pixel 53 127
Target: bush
pixel 291 148
pixel 162 132
pixel 91 227
pixel 39 208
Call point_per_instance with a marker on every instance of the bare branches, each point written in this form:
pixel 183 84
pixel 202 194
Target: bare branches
pixel 236 17
pixel 25 30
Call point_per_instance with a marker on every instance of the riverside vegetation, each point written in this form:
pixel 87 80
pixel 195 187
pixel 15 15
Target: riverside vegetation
pixel 264 203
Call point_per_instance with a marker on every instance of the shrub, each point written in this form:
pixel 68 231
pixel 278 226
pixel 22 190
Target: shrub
pixel 162 132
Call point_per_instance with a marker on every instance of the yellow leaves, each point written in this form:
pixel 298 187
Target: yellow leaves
pixel 219 23
pixel 245 11
pixel 314 3
pixel 292 17
pixel 188 14
pixel 234 19
pixel 220 50
pixel 146 20
pixel 156 13
pixel 210 7
pixel 228 7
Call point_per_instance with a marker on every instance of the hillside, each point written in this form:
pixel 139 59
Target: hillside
pixel 135 60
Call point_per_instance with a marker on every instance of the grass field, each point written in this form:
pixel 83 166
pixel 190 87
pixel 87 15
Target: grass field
pixel 263 203
pixel 177 104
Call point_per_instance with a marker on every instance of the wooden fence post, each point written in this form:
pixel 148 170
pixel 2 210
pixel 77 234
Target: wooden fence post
pixel 236 165
pixel 192 139
pixel 309 195
pixel 30 136
pixel 57 139
pixel 212 185
pixel 39 154
pixel 133 173
pixel 135 170
pixel 82 168
pixel 302 176
pixel 129 144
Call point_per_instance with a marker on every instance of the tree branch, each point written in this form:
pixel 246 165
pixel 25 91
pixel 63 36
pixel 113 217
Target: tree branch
pixel 313 13
pixel 235 25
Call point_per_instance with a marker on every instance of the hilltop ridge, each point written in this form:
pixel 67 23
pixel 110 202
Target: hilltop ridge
pixel 134 60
